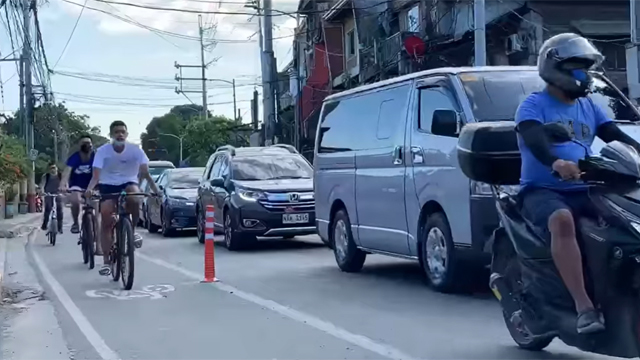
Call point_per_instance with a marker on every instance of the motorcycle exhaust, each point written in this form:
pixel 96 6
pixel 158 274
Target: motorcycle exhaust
pixel 503 292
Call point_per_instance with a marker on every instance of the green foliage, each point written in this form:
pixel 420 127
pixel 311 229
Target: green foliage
pixel 200 136
pixel 49 119
pixel 14 165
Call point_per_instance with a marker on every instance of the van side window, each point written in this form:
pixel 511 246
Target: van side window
pixel 362 121
pixel 434 98
pixel 391 112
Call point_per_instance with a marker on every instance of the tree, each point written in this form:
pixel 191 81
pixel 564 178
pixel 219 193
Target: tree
pixel 163 147
pixel 13 160
pixel 49 119
pixel 203 136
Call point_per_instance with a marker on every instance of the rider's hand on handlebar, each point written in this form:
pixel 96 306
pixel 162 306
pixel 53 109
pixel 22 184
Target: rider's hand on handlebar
pixel 568 170
pixel 64 187
pixel 88 194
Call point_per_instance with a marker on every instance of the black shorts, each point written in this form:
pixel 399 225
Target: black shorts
pixel 539 204
pixel 113 189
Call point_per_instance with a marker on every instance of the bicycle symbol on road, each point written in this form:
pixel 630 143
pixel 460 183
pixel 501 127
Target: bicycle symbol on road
pixel 153 292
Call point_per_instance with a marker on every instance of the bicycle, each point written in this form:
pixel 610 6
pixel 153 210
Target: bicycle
pixel 52 228
pixel 122 251
pixel 88 231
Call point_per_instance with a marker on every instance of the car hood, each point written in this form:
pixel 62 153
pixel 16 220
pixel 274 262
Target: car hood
pixel 279 185
pixel 189 194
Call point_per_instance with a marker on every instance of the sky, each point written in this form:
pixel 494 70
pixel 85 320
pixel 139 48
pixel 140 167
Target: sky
pixel 105 47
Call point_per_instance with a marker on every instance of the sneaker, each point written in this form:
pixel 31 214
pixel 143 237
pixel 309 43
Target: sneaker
pixel 137 240
pixel 75 228
pixel 105 270
pixel 589 322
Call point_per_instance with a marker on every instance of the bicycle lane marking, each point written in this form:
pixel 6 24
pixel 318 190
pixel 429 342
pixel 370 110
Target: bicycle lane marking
pixel 76 314
pixel 361 341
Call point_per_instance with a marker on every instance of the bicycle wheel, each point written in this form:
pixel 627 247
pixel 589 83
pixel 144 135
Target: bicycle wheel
pixel 88 239
pixel 52 238
pixel 127 259
pixel 115 251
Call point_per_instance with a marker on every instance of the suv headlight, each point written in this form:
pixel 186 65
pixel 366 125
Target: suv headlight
pixel 250 195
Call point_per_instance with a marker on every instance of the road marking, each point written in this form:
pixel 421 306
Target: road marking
pixel 78 317
pixel 153 292
pixel 307 319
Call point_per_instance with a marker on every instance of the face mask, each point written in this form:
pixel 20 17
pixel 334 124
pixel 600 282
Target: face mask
pixel 116 142
pixel 86 148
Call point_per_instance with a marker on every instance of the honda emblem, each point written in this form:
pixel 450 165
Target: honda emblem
pixel 294 197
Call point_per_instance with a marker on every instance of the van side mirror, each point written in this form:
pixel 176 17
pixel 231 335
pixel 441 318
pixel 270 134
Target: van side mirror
pixel 445 123
pixel 218 182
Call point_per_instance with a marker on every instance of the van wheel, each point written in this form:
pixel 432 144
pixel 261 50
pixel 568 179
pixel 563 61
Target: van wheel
pixel 438 255
pixel 348 256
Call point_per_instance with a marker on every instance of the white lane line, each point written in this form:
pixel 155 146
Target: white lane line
pixel 324 326
pixel 78 317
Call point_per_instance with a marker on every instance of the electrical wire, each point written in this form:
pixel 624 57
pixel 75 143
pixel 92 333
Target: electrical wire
pixel 64 49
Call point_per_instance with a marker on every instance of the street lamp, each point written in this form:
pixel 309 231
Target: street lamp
pixel 179 138
pixel 233 84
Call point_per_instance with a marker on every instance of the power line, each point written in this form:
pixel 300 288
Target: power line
pixel 71 35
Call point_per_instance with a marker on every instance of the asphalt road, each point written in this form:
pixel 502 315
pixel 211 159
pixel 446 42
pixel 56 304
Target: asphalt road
pixel 280 300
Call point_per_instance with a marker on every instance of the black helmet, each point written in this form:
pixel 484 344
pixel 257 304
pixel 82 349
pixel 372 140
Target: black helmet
pixel 564 61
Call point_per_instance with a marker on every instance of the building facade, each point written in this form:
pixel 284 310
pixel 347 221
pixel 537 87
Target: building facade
pixel 341 44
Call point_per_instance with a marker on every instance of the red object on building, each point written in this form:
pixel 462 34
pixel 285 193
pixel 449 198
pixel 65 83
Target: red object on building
pixel 414 46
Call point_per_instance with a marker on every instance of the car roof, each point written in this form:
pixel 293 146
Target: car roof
pixel 443 70
pixel 161 163
pixel 256 150
pixel 184 169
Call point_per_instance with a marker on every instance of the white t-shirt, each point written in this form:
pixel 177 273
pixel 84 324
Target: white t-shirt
pixel 119 168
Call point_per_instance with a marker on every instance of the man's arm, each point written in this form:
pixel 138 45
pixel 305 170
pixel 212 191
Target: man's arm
pixel 143 172
pixel 609 132
pixel 529 125
pixel 66 174
pixel 98 163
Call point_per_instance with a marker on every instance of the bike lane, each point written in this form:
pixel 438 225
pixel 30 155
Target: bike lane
pixel 168 315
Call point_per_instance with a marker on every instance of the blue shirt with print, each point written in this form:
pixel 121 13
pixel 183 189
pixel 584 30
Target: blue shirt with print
pixel 81 171
pixel 582 119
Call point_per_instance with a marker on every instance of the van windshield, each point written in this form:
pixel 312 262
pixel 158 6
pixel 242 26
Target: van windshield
pixel 496 95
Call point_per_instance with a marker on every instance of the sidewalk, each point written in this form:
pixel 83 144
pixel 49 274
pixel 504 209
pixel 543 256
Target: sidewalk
pixel 11 228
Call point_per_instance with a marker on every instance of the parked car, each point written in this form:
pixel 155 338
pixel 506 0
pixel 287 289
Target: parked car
pixel 144 187
pixel 156 168
pixel 257 191
pixel 175 208
pixel 387 179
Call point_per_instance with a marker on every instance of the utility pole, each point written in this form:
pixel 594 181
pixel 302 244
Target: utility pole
pixel 204 69
pixel 269 113
pixel 55 145
pixel 28 97
pixel 480 37
pixel 633 52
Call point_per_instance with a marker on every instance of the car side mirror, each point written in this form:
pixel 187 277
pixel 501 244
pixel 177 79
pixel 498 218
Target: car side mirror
pixel 446 123
pixel 218 182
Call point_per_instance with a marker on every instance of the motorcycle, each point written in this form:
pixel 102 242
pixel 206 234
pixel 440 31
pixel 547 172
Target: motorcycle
pixel 536 306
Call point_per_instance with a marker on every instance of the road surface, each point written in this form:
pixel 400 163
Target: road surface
pixel 280 300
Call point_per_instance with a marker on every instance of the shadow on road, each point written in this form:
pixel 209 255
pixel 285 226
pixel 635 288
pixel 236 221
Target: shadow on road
pixel 278 244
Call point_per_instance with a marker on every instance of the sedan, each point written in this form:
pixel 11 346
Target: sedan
pixel 175 208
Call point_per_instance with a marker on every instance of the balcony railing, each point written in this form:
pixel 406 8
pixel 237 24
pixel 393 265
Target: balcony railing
pixel 390 50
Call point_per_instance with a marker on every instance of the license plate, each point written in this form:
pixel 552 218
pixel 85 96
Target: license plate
pixel 295 218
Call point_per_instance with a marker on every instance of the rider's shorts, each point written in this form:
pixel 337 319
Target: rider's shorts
pixel 539 204
pixel 113 189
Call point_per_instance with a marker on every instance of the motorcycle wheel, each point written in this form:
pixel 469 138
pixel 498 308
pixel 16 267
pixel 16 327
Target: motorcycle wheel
pixel 526 341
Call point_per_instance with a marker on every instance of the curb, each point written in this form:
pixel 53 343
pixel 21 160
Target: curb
pixel 15 230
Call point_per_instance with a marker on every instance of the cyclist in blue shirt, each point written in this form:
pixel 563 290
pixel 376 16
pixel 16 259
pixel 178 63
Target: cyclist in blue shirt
pixel 551 201
pixel 77 175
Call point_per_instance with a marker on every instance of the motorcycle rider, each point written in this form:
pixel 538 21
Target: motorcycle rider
pixel 548 201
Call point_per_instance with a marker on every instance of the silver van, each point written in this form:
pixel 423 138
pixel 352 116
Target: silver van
pixel 386 172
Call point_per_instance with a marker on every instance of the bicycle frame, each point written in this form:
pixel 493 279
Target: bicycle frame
pixel 53 216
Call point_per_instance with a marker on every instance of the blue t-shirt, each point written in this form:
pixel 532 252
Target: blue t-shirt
pixel 81 171
pixel 582 118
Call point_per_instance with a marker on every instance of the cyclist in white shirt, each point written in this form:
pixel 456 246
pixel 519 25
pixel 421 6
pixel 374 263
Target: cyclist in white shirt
pixel 117 167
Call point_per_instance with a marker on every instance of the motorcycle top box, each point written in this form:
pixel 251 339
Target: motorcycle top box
pixel 536 304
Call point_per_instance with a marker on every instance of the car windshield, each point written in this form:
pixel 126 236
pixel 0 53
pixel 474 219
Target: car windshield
pixel 157 171
pixel 185 179
pixel 496 95
pixel 271 168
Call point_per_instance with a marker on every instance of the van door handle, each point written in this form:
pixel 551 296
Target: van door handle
pixel 397 155
pixel 417 154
